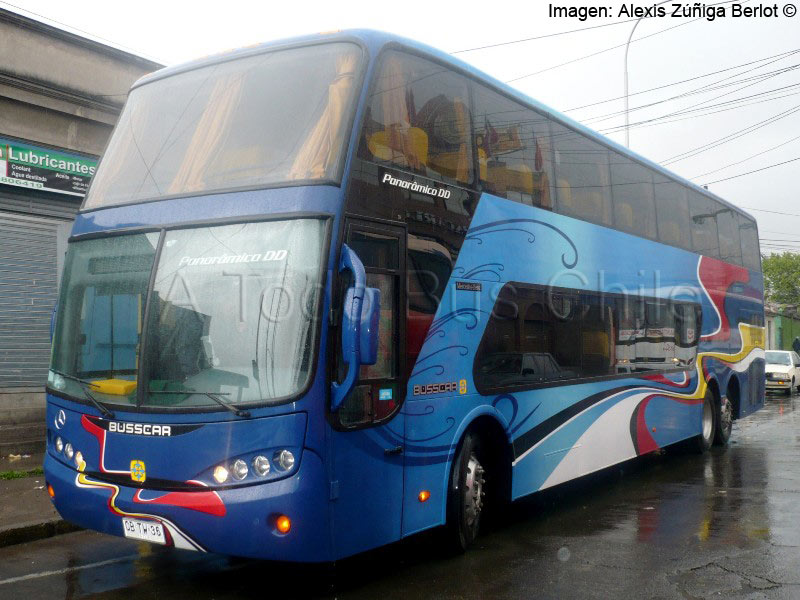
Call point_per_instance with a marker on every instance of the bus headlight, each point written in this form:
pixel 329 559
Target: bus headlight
pixel 239 469
pixel 221 474
pixel 284 459
pixel 261 465
pixel 59 444
pixel 68 451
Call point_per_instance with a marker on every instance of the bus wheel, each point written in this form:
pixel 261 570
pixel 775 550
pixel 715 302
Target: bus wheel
pixel 466 494
pixel 706 438
pixel 722 433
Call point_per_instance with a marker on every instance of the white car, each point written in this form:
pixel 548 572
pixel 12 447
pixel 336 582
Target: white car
pixel 782 370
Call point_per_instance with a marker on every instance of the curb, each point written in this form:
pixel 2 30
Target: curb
pixel 30 532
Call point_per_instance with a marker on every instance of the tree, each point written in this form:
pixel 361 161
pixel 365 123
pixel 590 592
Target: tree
pixel 782 278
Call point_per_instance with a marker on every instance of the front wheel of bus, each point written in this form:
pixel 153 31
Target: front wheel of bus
pixel 466 494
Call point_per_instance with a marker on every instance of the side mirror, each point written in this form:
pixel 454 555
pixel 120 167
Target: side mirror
pixel 360 318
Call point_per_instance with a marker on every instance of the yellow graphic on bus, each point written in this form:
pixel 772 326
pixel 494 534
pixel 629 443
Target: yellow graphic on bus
pixel 138 473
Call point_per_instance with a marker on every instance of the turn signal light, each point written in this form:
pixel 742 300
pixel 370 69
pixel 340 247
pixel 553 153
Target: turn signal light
pixel 424 495
pixel 51 491
pixel 283 524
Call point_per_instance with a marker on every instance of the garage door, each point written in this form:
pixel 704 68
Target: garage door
pixel 31 256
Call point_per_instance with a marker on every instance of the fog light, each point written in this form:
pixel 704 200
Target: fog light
pixel 221 474
pixel 424 495
pixel 285 459
pixel 68 451
pixel 283 524
pixel 261 465
pixel 51 491
pixel 78 459
pixel 59 444
pixel 239 469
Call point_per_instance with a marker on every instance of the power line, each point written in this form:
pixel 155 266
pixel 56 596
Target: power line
pixel 666 85
pixel 707 88
pixel 574 60
pixel 748 158
pixel 774 212
pixel 541 37
pixel 756 171
pixel 730 137
pixel 569 62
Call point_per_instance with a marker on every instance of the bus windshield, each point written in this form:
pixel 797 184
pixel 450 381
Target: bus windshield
pixel 259 121
pixel 232 310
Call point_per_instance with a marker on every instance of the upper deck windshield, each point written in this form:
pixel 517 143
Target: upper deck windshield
pixel 271 118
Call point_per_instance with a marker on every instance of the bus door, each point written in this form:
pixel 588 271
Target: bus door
pixel 368 429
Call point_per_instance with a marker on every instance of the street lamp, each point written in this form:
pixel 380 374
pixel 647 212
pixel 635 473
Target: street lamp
pixel 627 46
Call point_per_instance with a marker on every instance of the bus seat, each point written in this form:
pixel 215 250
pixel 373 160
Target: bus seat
pixel 520 178
pixel 541 187
pixel 565 202
pixel 624 216
pixel 392 144
pixel 596 342
pixel 113 387
pixel 670 232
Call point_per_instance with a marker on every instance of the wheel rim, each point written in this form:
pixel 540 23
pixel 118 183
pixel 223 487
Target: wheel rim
pixel 708 420
pixel 473 491
pixel 726 416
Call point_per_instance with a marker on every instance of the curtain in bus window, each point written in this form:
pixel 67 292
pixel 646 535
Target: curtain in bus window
pixel 704 224
pixel 312 162
pixel 632 191
pixel 208 136
pixel 513 146
pixel 749 238
pixel 583 181
pixel 672 209
pixel 730 248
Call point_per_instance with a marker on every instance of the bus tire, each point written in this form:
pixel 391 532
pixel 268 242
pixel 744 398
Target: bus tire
pixel 722 432
pixel 465 494
pixel 703 442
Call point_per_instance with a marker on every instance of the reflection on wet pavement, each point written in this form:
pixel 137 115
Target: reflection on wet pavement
pixel 667 526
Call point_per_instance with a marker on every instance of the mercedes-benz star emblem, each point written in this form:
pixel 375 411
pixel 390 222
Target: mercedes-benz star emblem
pixel 61 419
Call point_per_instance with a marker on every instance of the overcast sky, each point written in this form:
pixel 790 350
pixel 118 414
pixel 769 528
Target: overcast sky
pixel 174 32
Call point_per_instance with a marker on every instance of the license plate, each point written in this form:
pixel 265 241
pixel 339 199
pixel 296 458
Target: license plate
pixel 149 531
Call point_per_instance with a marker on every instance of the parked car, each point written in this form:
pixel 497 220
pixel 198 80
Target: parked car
pixel 783 370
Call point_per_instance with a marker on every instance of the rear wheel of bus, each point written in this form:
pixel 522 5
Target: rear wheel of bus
pixel 703 442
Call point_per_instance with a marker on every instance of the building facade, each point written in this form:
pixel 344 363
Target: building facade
pixel 60 96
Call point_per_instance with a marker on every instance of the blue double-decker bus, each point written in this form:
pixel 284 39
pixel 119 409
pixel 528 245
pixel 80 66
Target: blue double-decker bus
pixel 327 293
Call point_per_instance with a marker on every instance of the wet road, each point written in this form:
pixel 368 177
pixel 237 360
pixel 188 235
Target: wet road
pixel 726 524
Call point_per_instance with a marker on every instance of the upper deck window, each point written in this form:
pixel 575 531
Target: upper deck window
pixel 272 118
pixel 418 119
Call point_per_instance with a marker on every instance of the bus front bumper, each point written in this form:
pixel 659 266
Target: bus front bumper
pixel 236 521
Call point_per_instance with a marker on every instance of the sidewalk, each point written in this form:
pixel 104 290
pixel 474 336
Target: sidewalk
pixel 26 513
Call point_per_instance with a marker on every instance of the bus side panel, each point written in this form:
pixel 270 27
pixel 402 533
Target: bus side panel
pixel 565 431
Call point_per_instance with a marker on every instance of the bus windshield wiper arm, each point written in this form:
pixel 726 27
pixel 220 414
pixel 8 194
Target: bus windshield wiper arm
pixel 85 385
pixel 215 396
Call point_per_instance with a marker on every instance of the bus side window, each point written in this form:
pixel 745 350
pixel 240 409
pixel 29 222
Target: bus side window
pixel 704 224
pixel 583 164
pixel 419 119
pixel 632 191
pixel 514 150
pixel 749 239
pixel 730 247
pixel 672 209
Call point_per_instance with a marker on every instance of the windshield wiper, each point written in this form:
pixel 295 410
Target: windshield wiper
pixel 85 385
pixel 215 396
